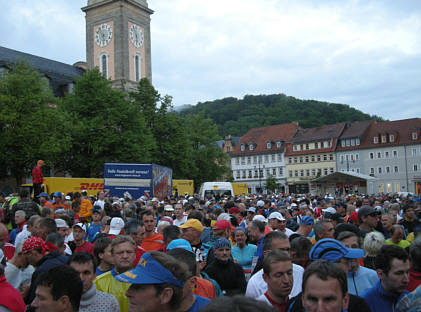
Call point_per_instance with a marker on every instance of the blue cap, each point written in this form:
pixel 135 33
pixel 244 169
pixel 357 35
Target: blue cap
pixel 179 243
pixel 222 243
pixel 43 194
pixel 333 251
pixel 57 194
pixel 307 220
pixel 149 272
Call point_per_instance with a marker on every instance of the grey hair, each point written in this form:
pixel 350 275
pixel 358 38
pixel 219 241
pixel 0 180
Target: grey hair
pixel 373 241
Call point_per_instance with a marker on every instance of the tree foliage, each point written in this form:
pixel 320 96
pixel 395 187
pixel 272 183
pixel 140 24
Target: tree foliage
pixel 30 127
pixel 271 184
pixel 237 116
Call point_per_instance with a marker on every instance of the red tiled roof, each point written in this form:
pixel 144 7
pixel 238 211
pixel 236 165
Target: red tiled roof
pixel 357 129
pixel 401 129
pixel 260 136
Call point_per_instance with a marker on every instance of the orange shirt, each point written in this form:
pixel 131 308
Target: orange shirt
pixel 85 208
pixel 204 288
pixel 156 242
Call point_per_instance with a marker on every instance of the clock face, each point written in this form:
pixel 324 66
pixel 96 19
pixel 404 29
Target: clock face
pixel 103 34
pixel 136 35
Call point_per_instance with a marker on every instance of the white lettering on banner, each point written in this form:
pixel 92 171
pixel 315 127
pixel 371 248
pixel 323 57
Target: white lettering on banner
pixel 127 182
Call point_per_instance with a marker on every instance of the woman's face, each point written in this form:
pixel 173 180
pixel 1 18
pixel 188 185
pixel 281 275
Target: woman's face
pixel 240 238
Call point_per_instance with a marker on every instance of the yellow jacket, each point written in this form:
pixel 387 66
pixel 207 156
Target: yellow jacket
pixel 108 284
pixel 85 208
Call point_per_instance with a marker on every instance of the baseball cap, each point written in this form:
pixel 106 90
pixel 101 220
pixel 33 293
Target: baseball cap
pixel 221 225
pixel 193 223
pixel 168 208
pixel 57 194
pixel 60 223
pixel 59 210
pixel 252 209
pixel 81 225
pixel 259 218
pixel 333 250
pixel 365 211
pixel 155 199
pixel 330 210
pixel 222 243
pixel 234 210
pixel 260 203
pixel 116 225
pixel 307 220
pixel 179 243
pixel 148 272
pixel 276 215
pixel 96 209
pixel 43 194
pixel 224 216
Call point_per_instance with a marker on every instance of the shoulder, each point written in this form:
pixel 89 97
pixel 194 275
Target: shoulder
pixel 297 268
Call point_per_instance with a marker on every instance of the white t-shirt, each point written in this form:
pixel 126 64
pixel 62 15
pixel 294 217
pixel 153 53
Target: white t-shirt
pixel 180 222
pixel 257 285
pixel 99 203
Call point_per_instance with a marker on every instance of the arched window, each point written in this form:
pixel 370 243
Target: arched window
pixel 103 61
pixel 137 67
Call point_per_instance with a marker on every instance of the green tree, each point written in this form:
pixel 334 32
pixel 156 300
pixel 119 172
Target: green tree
pixel 271 184
pixel 106 128
pixel 30 126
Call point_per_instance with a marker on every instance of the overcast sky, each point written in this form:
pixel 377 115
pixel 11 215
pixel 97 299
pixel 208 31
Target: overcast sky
pixel 363 53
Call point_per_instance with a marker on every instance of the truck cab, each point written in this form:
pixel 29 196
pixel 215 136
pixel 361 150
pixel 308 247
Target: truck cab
pixel 216 190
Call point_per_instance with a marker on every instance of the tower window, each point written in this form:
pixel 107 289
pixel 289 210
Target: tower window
pixel 104 64
pixel 137 67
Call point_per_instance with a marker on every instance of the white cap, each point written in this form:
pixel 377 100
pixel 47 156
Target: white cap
pixel 155 199
pixel 294 205
pixel 259 218
pixel 168 208
pixel 330 210
pixel 224 216
pixel 116 225
pixel 276 215
pixel 60 223
pixel 260 203
pixel 81 225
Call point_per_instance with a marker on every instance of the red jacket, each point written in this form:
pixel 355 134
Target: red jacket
pixel 37 176
pixel 10 297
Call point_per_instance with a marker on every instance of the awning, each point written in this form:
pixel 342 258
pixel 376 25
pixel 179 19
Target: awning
pixel 345 177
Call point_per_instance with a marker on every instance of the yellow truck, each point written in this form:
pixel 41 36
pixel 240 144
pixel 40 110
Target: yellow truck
pixel 65 185
pixel 239 188
pixel 183 187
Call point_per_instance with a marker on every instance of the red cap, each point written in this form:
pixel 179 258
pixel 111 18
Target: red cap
pixel 234 210
pixel 354 216
pixel 221 225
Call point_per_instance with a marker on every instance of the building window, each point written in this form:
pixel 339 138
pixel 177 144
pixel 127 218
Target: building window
pixel 301 159
pixel 316 145
pixel 250 174
pixel 379 155
pixel 137 66
pixel 237 160
pixel 273 158
pixel 290 160
pixel 357 156
pixel 295 160
pixel 318 157
pixel 395 153
pixel 375 140
pixel 103 57
pixel 348 142
pixel 296 173
pixel 255 173
pixel 387 169
pixel 238 174
pixel 386 154
pixel 307 147
pixel 269 144
pixel 396 169
pixel 379 170
pixel 415 167
pixel 358 170
pixel 306 159
pixel 281 171
pixel 352 142
pixel 342 159
pixel 302 173
pixel 325 157
pixel 243 147
pixel 294 147
pixel 290 173
pixel 357 141
pixel 371 170
pixel 397 187
pixel 391 138
pixel 307 172
pixel 322 145
pixel 244 174
pixel 331 170
pixel 371 155
pixel 254 160
pixel 243 160
pixel 343 143
pixel 249 160
pixel 312 158
pixel 330 156
pixel 414 136
pixel 414 152
pixel 279 157
pixel 301 147
pixel 278 144
pixel 266 158
pixel 274 172
pixel 313 172
pixel 384 139
pixel 251 147
pixel 325 171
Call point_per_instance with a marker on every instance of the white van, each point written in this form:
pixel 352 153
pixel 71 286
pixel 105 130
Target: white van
pixel 216 190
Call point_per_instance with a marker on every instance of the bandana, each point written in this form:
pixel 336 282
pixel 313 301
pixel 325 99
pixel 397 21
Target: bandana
pixel 33 243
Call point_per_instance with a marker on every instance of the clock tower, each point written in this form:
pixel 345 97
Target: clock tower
pixel 118 40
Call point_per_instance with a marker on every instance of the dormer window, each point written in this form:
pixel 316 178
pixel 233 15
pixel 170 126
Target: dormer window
pixel 384 139
pixel 343 143
pixel 357 141
pixel 375 140
pixel 391 138
pixel 414 136
pixel 243 147
pixel 268 144
pixel 251 147
pixel 278 144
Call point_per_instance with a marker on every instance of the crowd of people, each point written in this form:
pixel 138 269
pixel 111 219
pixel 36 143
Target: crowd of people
pixel 274 252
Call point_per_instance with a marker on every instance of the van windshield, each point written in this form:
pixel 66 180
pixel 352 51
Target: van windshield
pixel 217 193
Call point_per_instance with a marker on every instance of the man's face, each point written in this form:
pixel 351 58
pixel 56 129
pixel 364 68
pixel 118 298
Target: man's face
pixel 319 295
pixel 254 233
pixel 101 196
pixel 124 255
pixel 191 235
pixel 396 281
pixel 44 301
pixel 86 273
pixel 386 222
pixel 250 215
pixel 397 235
pixel 143 298
pixel 33 257
pixel 107 256
pixel 42 200
pixel 178 211
pixel 78 234
pixel 96 217
pixel 57 200
pixel 280 244
pixel 329 230
pixel 138 238
pixel 62 231
pixel 149 222
pixel 223 254
pixel 410 213
pixel 280 278
pixel 371 219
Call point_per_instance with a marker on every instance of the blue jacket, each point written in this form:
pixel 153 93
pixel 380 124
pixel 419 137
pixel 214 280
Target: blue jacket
pixel 379 301
pixel 361 280
pixel 245 255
